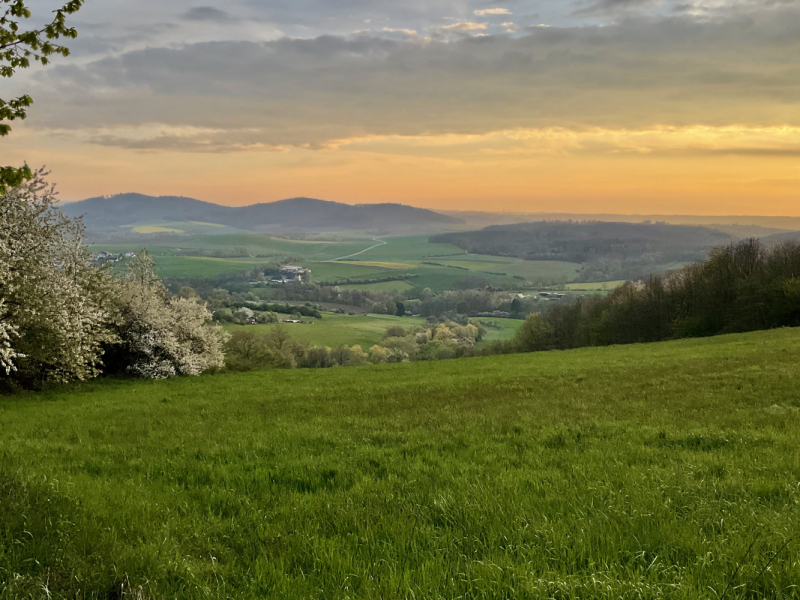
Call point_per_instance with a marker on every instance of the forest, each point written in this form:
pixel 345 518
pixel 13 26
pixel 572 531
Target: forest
pixel 607 251
pixel 744 286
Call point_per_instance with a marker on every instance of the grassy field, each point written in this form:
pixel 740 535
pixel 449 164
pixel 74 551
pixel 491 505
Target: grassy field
pixel 366 330
pixel 599 286
pixel 383 286
pixel 333 271
pixel 202 266
pixel 506 330
pixel 629 472
pixel 336 330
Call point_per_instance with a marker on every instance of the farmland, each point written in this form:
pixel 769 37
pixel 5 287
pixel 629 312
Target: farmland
pixel 437 266
pixel 642 471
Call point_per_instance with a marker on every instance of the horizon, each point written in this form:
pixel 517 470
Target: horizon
pixel 529 106
pixel 451 210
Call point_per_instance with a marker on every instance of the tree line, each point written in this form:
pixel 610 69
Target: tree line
pixel 743 286
pixel 249 350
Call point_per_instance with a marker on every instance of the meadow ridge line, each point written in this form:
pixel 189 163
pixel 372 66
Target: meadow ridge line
pixel 380 243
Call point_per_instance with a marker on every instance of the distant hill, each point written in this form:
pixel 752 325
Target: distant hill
pixel 738 225
pixel 608 250
pixel 782 237
pixel 295 214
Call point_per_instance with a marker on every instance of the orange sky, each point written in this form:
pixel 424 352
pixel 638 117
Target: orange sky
pixel 635 107
pixel 655 172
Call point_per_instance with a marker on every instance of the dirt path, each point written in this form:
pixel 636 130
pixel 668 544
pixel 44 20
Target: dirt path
pixel 380 243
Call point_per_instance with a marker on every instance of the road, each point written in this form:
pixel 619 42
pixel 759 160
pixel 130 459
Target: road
pixel 380 243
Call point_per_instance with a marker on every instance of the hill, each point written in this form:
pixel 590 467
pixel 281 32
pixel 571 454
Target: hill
pixel 635 471
pixel 609 250
pixel 740 225
pixel 295 214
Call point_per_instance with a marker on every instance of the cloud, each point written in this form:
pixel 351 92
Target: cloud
pixel 406 32
pixel 615 6
pixel 492 11
pixel 313 93
pixel 464 26
pixel 206 13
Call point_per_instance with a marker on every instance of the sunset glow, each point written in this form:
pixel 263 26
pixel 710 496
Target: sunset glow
pixel 634 107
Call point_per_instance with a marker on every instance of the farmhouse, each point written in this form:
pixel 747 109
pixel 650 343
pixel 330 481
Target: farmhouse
pixel 294 273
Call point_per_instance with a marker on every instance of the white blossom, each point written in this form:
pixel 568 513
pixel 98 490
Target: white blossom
pixel 161 336
pixel 52 315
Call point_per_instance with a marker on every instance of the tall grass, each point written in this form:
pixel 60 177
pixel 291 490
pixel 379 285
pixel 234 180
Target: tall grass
pixel 641 471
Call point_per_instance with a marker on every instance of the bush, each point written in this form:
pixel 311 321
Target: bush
pixel 53 303
pixel 158 336
pixel 394 331
pixel 535 334
pixel 318 358
pixel 247 350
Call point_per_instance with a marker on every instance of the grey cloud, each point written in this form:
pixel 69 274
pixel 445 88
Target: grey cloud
pixel 309 92
pixel 206 13
pixel 615 6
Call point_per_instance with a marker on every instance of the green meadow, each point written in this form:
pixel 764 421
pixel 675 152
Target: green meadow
pixel 335 330
pixel 383 286
pixel 668 470
pixel 595 286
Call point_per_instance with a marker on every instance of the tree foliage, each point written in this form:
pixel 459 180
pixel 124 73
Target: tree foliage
pixel 62 318
pixel 159 336
pixel 52 303
pixel 745 286
pixel 18 47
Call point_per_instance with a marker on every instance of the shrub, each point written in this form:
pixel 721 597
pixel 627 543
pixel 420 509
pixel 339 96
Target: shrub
pixel 53 304
pixel 318 358
pixel 378 355
pixel 158 336
pixel 535 334
pixel 394 331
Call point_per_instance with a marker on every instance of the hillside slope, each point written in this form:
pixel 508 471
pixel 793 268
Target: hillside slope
pixel 609 250
pixel 639 471
pixel 300 214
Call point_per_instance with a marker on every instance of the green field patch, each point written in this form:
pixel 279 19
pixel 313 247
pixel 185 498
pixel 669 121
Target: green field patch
pixel 377 264
pixel 154 229
pixel 202 266
pixel 599 286
pixel 336 330
pixel 381 286
pixel 476 265
pixel 412 248
pixel 498 330
pixel 330 272
pixel 643 471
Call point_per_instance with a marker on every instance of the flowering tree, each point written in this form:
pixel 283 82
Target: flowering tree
pixel 53 320
pixel 159 336
pixel 62 318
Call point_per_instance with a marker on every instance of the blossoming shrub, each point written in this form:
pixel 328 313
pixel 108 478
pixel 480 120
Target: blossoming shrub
pixel 64 319
pixel 53 315
pixel 159 336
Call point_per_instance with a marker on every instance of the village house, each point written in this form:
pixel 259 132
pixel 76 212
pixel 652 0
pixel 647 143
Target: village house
pixel 292 273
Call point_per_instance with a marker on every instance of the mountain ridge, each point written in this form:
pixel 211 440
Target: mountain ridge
pixel 300 213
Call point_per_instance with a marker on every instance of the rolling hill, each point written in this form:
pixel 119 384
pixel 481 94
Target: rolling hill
pixel 641 471
pixel 294 214
pixel 607 250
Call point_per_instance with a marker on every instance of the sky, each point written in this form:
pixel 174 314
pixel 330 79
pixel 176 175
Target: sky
pixel 585 106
